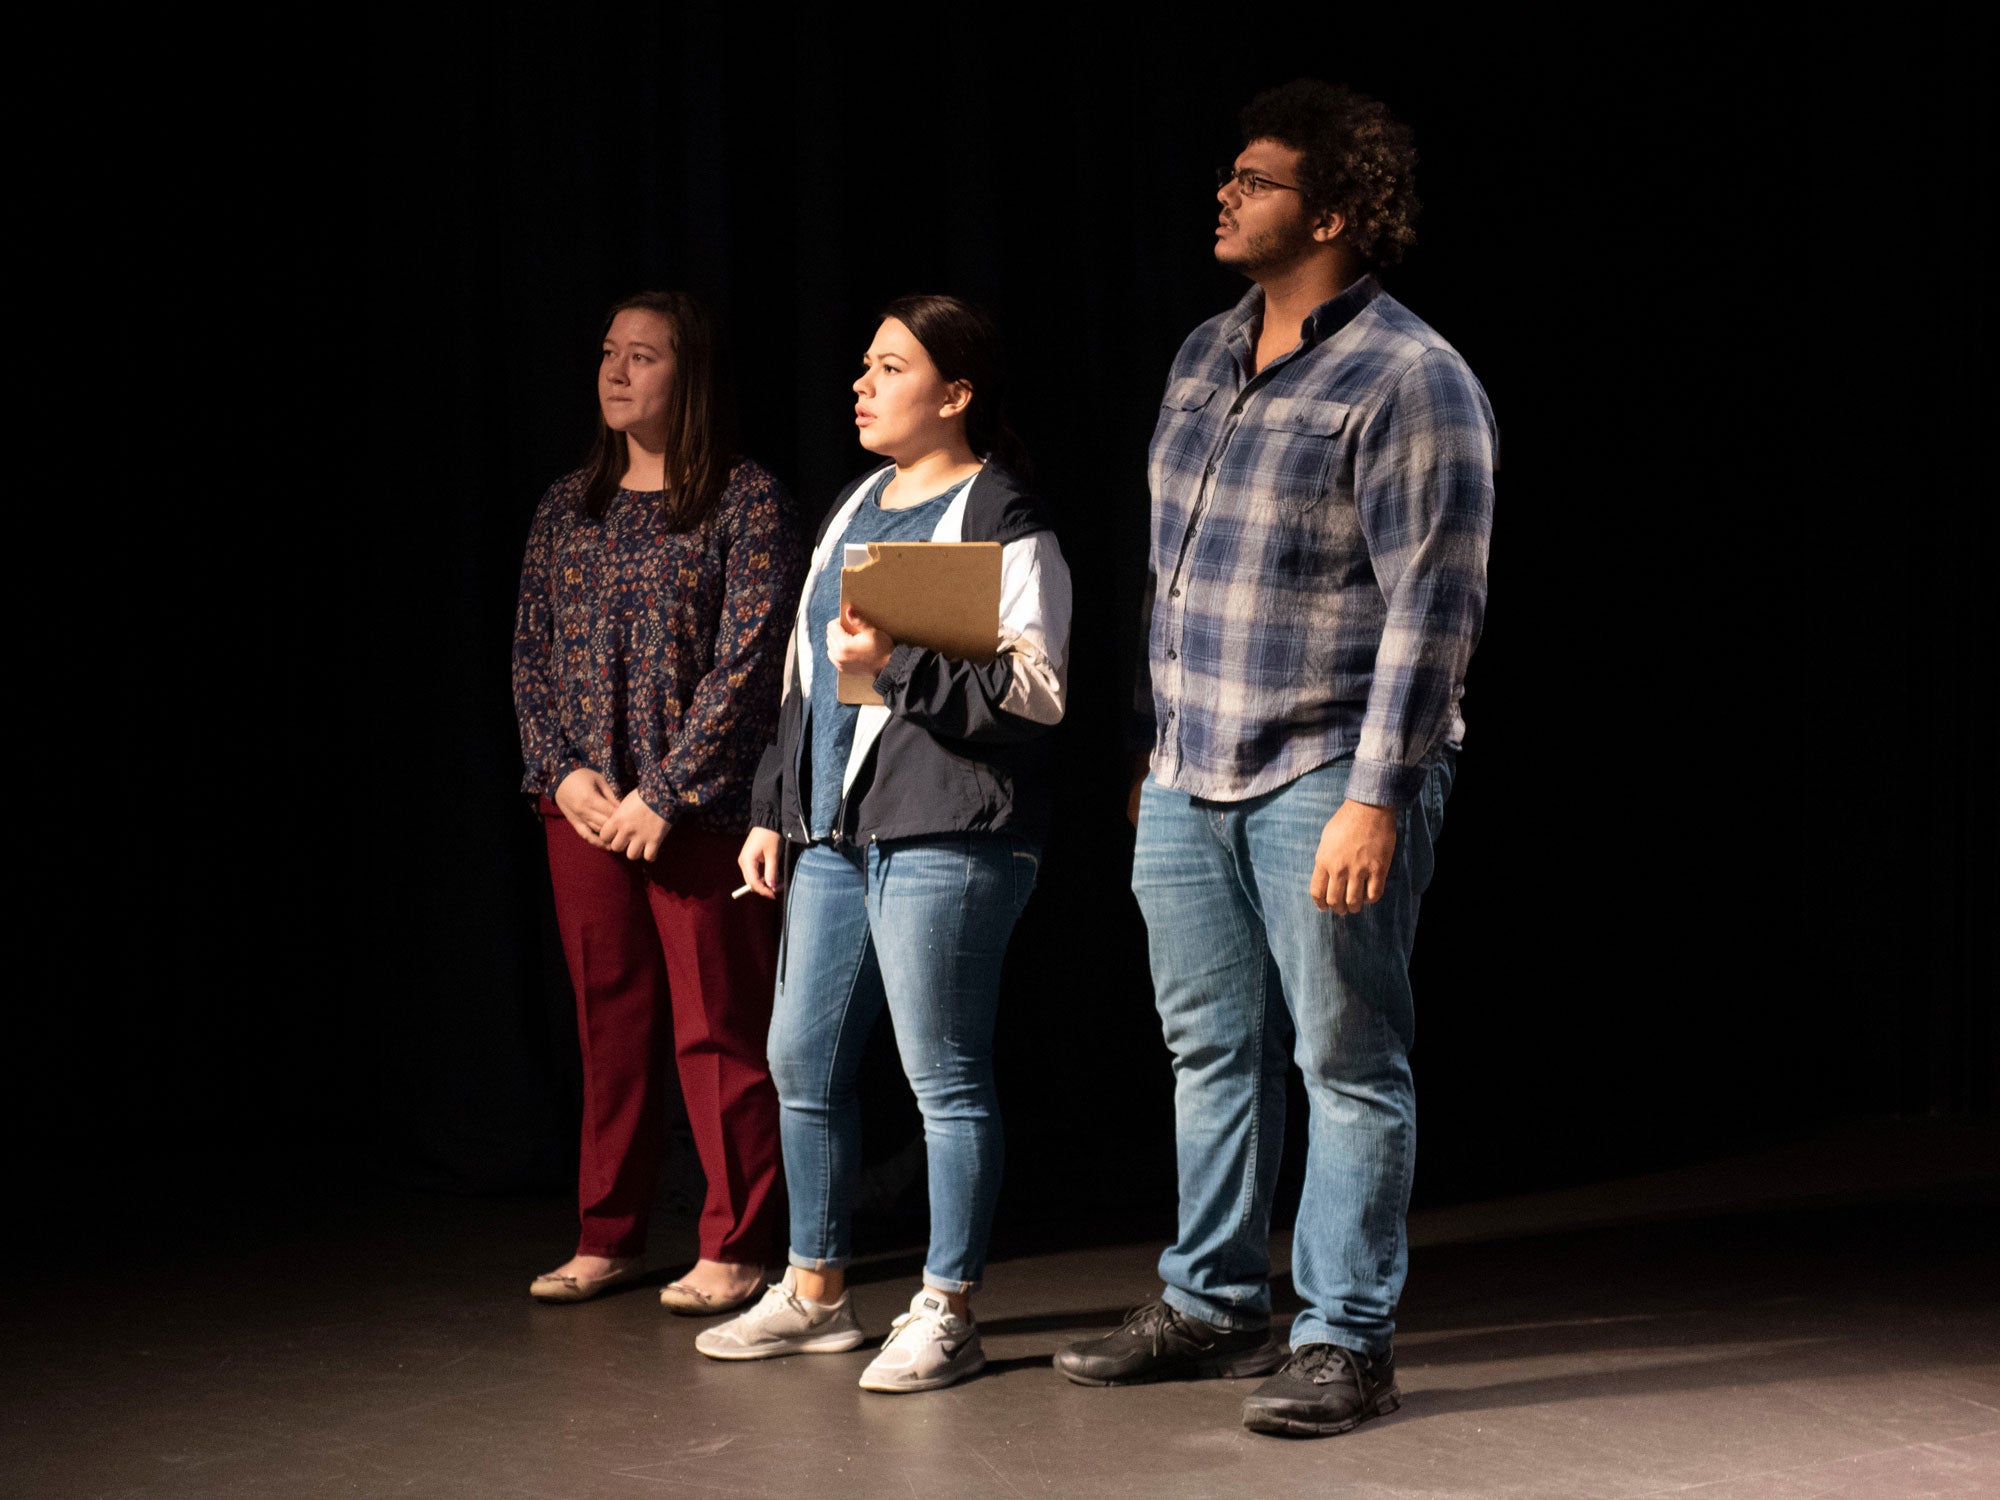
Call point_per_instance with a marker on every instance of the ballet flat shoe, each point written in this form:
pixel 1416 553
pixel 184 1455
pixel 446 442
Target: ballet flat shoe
pixel 679 1297
pixel 553 1288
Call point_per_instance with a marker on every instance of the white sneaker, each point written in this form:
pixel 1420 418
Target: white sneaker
pixel 929 1346
pixel 783 1322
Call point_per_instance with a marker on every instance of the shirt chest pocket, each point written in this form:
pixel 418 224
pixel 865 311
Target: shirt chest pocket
pixel 1301 449
pixel 1185 432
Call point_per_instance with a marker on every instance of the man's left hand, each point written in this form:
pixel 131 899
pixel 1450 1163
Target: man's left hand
pixel 1351 869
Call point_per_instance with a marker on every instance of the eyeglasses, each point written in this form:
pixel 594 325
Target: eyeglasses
pixel 1249 184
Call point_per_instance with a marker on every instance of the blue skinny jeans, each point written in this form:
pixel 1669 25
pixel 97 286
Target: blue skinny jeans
pixel 921 926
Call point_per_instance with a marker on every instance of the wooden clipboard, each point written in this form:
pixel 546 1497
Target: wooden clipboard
pixel 943 595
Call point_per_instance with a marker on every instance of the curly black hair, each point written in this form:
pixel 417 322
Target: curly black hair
pixel 1358 160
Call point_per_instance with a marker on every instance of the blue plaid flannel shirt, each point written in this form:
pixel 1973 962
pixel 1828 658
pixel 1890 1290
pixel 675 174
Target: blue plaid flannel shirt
pixel 1318 570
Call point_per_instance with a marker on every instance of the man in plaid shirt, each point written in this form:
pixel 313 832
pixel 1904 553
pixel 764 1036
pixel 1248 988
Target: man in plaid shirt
pixel 1322 478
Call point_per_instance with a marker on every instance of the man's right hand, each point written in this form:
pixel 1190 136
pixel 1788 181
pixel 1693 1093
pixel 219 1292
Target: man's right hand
pixel 762 861
pixel 586 799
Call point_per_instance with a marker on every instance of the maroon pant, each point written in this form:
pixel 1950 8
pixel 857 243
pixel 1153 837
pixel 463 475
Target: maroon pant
pixel 636 934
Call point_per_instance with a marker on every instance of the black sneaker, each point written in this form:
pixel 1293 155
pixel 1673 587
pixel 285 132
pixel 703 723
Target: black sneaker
pixel 1159 1342
pixel 1324 1390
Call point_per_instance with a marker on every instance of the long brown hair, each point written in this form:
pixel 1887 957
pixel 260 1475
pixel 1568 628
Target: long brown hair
pixel 964 344
pixel 701 418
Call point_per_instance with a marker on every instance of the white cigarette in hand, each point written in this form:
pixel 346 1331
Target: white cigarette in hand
pixel 741 890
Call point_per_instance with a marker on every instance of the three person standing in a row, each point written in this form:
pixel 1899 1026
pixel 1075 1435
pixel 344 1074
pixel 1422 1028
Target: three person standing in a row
pixel 1321 476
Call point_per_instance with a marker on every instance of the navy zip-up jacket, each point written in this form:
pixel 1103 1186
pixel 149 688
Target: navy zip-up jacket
pixel 957 746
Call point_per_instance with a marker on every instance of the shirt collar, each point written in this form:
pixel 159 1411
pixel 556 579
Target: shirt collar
pixel 1321 324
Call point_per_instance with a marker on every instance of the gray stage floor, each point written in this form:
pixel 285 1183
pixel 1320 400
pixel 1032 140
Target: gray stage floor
pixel 1814 1322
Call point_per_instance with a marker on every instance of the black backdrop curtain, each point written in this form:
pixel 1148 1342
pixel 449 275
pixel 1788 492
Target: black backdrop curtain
pixel 1709 871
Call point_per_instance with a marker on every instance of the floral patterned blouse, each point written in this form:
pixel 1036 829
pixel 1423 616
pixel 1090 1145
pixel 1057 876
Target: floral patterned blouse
pixel 656 659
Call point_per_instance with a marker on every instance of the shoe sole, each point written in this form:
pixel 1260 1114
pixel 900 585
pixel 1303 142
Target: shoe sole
pixel 1266 1361
pixel 708 1310
pixel 934 1383
pixel 831 1343
pixel 1280 1425
pixel 558 1293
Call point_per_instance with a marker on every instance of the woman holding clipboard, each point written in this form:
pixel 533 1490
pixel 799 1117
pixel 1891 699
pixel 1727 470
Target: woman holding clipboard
pixel 918 825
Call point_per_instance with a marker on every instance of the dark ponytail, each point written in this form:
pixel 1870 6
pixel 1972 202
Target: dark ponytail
pixel 964 344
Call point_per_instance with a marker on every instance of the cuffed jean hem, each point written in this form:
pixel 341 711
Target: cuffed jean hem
pixel 807 1263
pixel 1236 1320
pixel 950 1284
pixel 1307 1329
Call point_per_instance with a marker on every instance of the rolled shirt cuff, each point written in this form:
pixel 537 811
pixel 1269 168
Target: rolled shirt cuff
pixel 1384 783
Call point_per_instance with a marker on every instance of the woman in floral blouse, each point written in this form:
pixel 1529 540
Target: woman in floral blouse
pixel 655 600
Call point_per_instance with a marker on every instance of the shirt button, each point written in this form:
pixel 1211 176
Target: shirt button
pixel 1173 593
pixel 1173 656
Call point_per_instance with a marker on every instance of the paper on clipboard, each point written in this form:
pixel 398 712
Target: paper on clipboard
pixel 943 595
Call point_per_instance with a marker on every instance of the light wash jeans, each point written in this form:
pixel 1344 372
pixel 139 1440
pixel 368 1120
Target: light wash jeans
pixel 921 925
pixel 1246 972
